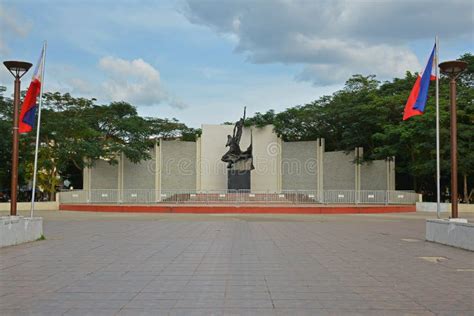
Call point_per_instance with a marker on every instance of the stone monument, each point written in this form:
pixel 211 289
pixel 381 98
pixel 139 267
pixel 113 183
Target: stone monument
pixel 239 163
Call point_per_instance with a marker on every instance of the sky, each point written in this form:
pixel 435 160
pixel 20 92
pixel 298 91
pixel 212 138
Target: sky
pixel 202 61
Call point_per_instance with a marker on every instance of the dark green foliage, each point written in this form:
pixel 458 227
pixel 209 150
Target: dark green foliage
pixel 368 113
pixel 75 132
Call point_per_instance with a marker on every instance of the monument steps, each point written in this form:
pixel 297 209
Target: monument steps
pixel 240 208
pixel 257 198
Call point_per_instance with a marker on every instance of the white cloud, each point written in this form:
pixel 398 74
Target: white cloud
pixel 346 58
pixel 334 39
pixel 134 81
pixel 80 86
pixel 11 24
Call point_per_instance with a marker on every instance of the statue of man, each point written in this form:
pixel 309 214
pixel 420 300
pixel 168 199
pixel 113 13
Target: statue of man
pixel 234 153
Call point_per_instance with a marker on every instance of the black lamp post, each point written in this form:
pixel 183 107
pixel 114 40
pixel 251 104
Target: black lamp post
pixel 17 69
pixel 452 69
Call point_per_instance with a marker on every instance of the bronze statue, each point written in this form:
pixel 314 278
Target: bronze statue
pixel 234 153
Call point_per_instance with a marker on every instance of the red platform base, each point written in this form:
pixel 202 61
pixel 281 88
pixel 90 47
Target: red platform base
pixel 243 209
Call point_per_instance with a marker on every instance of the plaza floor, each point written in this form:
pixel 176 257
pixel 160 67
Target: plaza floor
pixel 177 264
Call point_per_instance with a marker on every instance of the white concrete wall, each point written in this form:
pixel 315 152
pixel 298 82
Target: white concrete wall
pixel 26 206
pixel 431 207
pixel 300 165
pixel 374 175
pixel 178 165
pixel 445 207
pixel 339 171
pixel 265 177
pixel 460 235
pixel 15 230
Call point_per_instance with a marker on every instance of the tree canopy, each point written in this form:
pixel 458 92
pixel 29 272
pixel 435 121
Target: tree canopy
pixel 75 132
pixel 365 113
pixel 368 113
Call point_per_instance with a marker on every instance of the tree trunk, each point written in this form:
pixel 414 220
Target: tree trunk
pixel 52 191
pixel 466 197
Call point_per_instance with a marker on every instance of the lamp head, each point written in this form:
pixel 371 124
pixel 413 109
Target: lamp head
pixel 17 68
pixel 452 68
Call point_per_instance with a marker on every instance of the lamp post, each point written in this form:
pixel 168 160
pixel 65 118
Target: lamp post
pixel 452 69
pixel 17 69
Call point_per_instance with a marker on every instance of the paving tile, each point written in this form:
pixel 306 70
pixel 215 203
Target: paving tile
pixel 244 303
pixel 199 303
pixel 127 264
pixel 250 312
pixel 143 311
pixel 196 312
pixel 33 311
pixel 91 312
pixel 297 304
pixel 151 303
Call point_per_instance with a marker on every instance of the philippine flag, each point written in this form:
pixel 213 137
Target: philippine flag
pixel 28 109
pixel 419 93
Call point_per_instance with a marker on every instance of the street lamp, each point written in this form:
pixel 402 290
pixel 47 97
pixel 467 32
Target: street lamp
pixel 452 69
pixel 17 69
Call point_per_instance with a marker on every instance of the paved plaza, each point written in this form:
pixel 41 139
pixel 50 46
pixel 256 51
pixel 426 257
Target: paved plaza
pixel 170 264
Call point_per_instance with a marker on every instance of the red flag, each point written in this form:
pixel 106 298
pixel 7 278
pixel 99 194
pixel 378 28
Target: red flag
pixel 419 93
pixel 28 109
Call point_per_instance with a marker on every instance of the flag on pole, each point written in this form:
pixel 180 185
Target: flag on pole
pixel 419 94
pixel 28 112
pixel 28 109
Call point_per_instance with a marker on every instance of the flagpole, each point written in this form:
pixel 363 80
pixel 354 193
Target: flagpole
pixel 438 171
pixel 35 167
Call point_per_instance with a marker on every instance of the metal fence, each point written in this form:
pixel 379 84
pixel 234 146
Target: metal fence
pixel 237 197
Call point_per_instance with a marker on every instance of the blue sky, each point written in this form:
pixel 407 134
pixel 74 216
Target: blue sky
pixel 202 61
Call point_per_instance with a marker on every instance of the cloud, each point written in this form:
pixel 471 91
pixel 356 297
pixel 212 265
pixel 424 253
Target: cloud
pixel 334 39
pixel 80 86
pixel 11 26
pixel 134 81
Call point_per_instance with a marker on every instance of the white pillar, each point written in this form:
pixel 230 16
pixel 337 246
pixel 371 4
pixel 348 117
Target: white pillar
pixel 120 177
pixel 198 164
pixel 279 165
pixel 320 162
pixel 157 171
pixel 358 154
pixel 86 182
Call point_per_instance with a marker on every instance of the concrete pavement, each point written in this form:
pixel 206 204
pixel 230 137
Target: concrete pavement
pixel 170 264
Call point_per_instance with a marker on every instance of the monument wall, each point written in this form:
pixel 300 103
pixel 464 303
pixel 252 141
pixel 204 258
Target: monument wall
pixel 299 165
pixel 196 166
pixel 178 165
pixel 213 172
pixel 140 175
pixel 374 175
pixel 103 176
pixel 339 171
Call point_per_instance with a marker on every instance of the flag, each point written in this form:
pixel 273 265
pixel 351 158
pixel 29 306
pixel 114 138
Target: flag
pixel 28 109
pixel 419 93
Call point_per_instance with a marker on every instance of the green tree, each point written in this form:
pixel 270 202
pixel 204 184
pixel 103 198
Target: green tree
pixel 6 105
pixel 368 113
pixel 465 99
pixel 75 131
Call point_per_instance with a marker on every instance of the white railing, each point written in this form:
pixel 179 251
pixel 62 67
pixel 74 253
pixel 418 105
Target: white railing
pixel 109 196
